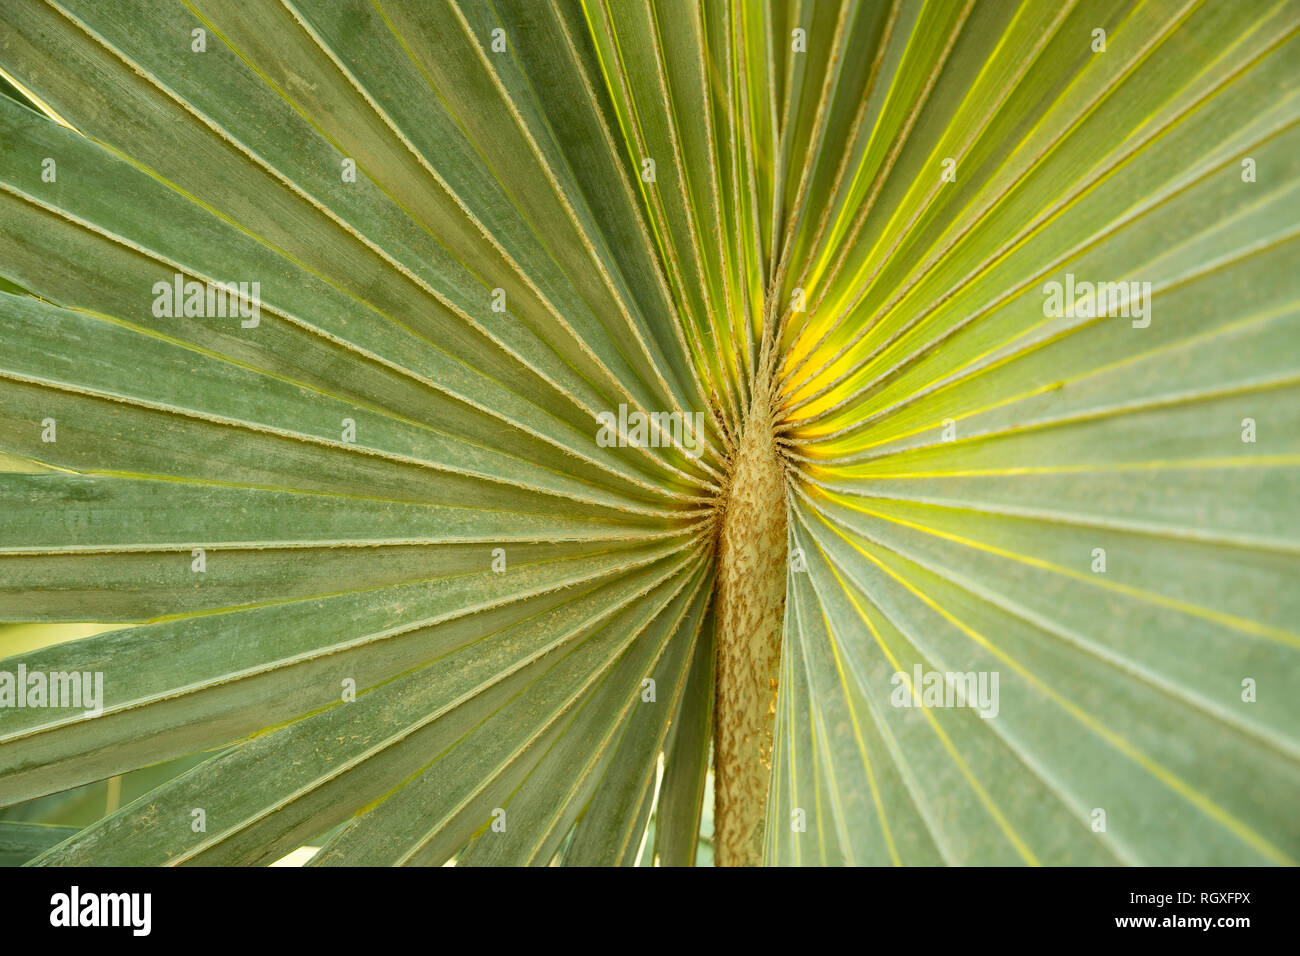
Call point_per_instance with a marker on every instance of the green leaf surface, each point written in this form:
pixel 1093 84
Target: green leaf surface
pixel 376 572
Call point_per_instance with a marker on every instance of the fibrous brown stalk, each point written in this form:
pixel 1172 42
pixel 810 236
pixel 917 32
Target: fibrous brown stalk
pixel 750 610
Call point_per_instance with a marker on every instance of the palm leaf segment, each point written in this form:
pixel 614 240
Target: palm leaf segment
pixel 476 226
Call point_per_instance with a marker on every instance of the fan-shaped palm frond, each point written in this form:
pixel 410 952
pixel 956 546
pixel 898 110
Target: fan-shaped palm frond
pixel 462 413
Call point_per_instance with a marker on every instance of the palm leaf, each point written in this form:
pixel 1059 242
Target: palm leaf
pixel 368 551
